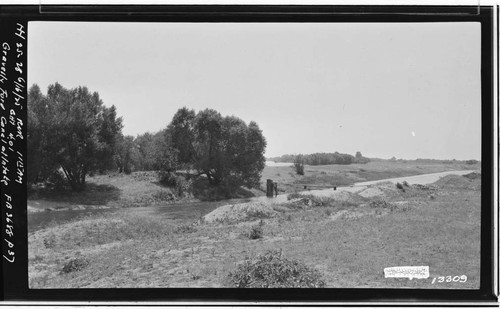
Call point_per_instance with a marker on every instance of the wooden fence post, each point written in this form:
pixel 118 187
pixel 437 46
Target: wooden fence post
pixel 270 188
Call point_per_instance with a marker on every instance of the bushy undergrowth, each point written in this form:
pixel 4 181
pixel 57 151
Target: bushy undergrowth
pixel 186 228
pixel 183 186
pixel 167 179
pixel 473 176
pixel 49 241
pixel 382 204
pixel 424 187
pixel 75 265
pixel 272 270
pixel 295 195
pixel 256 231
pixel 312 200
pixel 163 196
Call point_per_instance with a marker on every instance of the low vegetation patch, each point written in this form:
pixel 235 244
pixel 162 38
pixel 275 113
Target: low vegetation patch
pixel 473 176
pixel 75 265
pixel 272 270
pixel 459 182
pixel 49 241
pixel 311 200
pixel 163 196
pixel 256 231
pixel 424 187
pixel 382 204
pixel 341 200
pixel 185 228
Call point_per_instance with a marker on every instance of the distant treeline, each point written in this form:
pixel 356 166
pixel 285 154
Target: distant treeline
pixel 421 160
pixel 324 158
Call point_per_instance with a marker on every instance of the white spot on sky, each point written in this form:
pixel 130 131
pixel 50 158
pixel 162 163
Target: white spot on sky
pixel 412 133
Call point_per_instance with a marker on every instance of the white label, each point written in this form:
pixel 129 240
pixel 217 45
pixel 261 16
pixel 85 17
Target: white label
pixel 419 272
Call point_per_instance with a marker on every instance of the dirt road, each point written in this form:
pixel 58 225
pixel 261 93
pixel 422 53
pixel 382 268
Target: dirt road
pixel 360 186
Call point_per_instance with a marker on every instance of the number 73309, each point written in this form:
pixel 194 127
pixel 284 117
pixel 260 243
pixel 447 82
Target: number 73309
pixel 461 279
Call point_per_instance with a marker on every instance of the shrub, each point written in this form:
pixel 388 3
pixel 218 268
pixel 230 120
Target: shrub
pixel 406 184
pixel 185 229
pixel 400 186
pixel 256 232
pixel 295 195
pixel 312 200
pixel 382 204
pixel 473 176
pixel 49 242
pixel 163 196
pixel 184 187
pixel 167 178
pixel 272 270
pixel 75 265
pixel 57 180
pixel 424 187
pixel 298 162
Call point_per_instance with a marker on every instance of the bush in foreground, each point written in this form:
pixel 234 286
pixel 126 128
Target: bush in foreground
pixel 271 270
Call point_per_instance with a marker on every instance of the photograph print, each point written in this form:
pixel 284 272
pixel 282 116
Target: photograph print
pixel 254 155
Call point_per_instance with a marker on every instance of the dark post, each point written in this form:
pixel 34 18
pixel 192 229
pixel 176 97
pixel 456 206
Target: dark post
pixel 270 188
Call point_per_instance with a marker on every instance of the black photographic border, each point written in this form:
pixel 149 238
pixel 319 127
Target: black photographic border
pixel 15 275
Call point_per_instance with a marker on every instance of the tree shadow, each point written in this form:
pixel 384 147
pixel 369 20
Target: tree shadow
pixel 204 191
pixel 93 194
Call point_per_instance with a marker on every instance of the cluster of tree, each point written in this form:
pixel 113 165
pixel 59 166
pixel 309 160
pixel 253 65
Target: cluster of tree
pixel 139 153
pixel 324 158
pixel 70 130
pixel 224 149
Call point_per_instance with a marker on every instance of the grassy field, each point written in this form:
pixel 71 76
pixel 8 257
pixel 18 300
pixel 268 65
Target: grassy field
pixel 349 240
pixel 342 175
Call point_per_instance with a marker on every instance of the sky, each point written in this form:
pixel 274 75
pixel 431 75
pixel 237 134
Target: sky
pixel 408 90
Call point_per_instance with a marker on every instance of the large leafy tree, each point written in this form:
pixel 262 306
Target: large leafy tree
pixel 146 145
pixel 108 135
pixel 127 156
pixel 208 145
pixel 41 162
pixel 77 133
pixel 181 136
pixel 224 149
pixel 166 156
